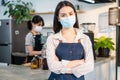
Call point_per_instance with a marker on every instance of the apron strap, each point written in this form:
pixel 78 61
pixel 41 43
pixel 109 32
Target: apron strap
pixel 60 41
pixel 79 41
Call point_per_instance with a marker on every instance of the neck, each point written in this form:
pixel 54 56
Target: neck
pixel 68 31
pixel 69 34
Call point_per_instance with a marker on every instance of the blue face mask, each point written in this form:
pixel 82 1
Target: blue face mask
pixel 68 22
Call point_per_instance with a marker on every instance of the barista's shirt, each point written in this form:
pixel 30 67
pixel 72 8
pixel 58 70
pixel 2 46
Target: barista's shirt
pixel 29 40
pixel 33 40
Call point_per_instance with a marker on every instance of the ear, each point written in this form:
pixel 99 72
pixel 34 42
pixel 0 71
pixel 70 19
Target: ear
pixel 33 25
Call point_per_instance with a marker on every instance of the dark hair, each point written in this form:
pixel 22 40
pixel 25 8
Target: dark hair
pixel 56 24
pixel 36 19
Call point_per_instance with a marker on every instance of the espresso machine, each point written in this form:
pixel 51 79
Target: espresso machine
pixel 88 29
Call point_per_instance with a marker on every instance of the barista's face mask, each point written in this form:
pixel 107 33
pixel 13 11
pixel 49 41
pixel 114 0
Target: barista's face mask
pixel 68 22
pixel 38 28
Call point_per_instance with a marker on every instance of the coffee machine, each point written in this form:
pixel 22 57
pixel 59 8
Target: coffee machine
pixel 88 28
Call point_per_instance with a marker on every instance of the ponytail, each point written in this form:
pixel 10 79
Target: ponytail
pixel 29 25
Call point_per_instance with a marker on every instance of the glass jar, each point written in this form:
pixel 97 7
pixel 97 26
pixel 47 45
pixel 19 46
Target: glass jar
pixel 36 62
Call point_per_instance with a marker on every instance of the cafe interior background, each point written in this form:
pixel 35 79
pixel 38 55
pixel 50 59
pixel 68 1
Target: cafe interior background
pixel 97 15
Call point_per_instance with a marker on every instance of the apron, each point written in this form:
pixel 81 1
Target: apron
pixel 68 51
pixel 38 46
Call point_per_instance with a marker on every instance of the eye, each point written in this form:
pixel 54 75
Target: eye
pixel 71 14
pixel 39 24
pixel 63 15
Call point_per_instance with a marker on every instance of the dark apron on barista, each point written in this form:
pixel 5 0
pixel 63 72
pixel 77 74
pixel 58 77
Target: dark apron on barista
pixel 38 46
pixel 68 51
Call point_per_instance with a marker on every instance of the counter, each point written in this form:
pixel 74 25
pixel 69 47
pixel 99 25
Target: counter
pixel 19 72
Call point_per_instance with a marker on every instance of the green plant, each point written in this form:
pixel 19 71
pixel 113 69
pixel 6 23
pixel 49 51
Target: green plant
pixel 103 42
pixel 18 10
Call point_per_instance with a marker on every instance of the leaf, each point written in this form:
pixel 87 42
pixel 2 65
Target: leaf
pixel 6 3
pixel 5 12
pixel 18 9
pixel 103 42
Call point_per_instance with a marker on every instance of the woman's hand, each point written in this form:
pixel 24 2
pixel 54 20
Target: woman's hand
pixel 75 63
pixel 32 52
pixel 72 64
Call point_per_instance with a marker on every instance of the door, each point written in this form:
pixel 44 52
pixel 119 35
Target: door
pixel 5 53
pixel 5 31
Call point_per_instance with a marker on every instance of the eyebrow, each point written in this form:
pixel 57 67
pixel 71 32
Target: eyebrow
pixel 68 12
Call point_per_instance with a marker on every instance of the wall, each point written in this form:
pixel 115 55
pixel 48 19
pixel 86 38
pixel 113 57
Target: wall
pixel 95 13
pixel 92 13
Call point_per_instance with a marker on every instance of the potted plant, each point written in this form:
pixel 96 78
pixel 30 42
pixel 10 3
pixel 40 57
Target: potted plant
pixel 18 10
pixel 103 45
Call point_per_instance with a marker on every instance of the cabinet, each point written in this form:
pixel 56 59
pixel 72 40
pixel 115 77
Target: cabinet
pixel 103 71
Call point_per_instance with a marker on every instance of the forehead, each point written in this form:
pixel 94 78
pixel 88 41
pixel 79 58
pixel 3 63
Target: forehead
pixel 66 9
pixel 39 23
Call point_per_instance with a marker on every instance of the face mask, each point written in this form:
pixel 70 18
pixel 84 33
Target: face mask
pixel 68 22
pixel 38 28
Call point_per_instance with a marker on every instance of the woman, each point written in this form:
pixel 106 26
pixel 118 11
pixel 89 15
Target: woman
pixel 33 38
pixel 69 52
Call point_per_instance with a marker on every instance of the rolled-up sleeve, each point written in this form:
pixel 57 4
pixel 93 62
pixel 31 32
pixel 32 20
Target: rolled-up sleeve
pixel 53 64
pixel 88 66
pixel 29 40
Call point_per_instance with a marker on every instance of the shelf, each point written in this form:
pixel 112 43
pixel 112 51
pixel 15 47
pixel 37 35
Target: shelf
pixel 80 11
pixel 47 27
pixel 33 13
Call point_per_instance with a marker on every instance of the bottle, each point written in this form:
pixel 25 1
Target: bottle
pixel 45 65
pixel 44 61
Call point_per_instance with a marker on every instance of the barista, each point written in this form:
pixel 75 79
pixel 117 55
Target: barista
pixel 33 43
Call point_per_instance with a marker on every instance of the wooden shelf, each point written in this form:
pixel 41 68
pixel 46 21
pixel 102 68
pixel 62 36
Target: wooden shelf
pixel 41 13
pixel 33 13
pixel 80 11
pixel 47 27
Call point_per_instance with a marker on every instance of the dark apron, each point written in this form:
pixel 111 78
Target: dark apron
pixel 38 46
pixel 68 51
